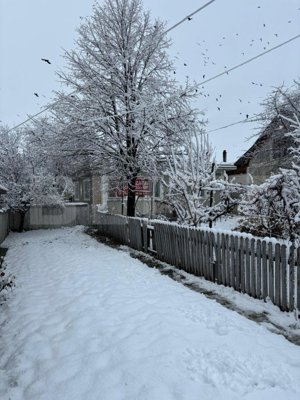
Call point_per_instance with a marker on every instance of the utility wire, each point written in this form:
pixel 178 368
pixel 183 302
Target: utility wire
pixel 250 59
pixel 210 79
pixel 201 83
pixel 234 123
pixel 189 16
pixel 168 30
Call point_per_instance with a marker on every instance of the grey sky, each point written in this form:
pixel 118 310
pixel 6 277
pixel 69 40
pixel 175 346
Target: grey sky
pixel 227 31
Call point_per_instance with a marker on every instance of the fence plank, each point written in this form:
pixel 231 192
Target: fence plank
pixel 145 236
pixel 194 251
pixel 253 270
pixel 247 265
pixel 283 279
pixel 232 262
pixel 237 266
pixel 258 270
pixel 277 275
pixel 212 256
pixel 198 241
pixel 218 258
pixel 227 261
pixel 271 272
pixel 223 241
pixel 242 264
pixel 292 278
pixel 264 270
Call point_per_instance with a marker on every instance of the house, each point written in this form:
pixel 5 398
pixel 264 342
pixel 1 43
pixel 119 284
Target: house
pixel 264 158
pixel 111 195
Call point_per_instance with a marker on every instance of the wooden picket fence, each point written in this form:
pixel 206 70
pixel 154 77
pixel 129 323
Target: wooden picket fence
pixel 261 268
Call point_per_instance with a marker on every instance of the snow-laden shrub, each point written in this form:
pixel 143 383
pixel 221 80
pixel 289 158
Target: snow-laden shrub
pixel 273 208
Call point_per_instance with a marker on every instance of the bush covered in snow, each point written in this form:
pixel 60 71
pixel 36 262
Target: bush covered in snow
pixel 273 208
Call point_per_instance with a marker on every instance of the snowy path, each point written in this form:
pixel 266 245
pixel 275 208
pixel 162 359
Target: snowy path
pixel 87 322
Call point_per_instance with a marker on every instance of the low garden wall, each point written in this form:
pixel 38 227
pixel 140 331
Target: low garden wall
pixel 45 217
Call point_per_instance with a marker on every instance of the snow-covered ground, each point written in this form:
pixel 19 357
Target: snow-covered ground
pixel 86 322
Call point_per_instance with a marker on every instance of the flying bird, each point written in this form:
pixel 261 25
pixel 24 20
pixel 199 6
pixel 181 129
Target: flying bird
pixel 203 76
pixel 46 60
pixel 185 64
pixel 36 94
pixel 219 108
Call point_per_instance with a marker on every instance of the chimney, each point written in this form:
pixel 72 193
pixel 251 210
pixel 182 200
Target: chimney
pixel 224 156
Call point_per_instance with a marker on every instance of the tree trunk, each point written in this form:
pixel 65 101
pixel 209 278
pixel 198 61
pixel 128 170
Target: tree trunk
pixel 131 197
pixel 22 221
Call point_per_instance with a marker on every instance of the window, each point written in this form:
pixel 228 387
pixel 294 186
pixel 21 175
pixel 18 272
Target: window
pixel 86 185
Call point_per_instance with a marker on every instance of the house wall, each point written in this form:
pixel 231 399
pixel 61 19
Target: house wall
pixel 4 224
pixel 145 207
pixel 96 190
pixel 269 153
pixel 269 158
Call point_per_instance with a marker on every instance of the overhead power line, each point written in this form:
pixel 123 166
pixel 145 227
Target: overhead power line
pixel 189 16
pixel 201 83
pixel 253 119
pixel 206 80
pixel 168 30
pixel 251 59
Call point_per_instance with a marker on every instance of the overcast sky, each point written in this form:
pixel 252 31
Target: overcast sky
pixel 221 36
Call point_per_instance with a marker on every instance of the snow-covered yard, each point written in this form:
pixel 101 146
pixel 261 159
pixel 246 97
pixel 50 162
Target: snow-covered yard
pixel 86 322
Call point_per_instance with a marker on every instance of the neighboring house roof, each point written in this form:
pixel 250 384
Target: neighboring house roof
pixel 3 190
pixel 277 127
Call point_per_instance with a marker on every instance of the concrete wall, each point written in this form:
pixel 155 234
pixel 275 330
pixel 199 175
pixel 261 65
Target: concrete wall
pixel 42 217
pixel 4 225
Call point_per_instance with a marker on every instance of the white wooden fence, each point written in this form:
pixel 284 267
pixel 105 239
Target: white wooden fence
pixel 261 268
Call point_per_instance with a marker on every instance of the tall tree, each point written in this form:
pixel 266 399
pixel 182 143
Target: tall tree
pixel 126 105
